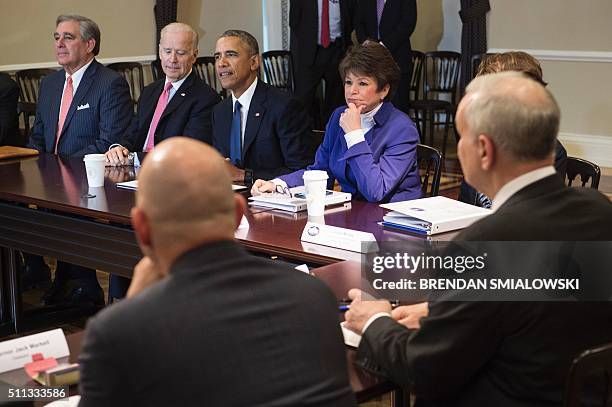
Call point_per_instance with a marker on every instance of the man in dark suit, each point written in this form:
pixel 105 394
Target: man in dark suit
pixel 185 109
pixel 206 323
pixel 320 35
pixel 390 22
pixel 502 353
pixel 82 109
pixel 263 131
pixel 9 95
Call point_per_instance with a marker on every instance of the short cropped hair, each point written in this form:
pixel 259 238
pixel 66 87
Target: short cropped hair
pixel 512 61
pixel 374 60
pixel 182 27
pixel 525 127
pixel 88 28
pixel 246 38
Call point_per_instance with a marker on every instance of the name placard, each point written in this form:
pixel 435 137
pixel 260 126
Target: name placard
pixel 340 238
pixel 17 352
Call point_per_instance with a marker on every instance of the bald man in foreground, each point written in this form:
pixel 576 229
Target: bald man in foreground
pixel 205 323
pixel 503 353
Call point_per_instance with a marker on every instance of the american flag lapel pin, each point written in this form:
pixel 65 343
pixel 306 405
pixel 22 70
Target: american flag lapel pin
pixel 182 94
pixel 257 114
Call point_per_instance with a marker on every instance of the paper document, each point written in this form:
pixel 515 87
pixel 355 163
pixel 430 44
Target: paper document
pixel 433 215
pixel 297 201
pixel 133 185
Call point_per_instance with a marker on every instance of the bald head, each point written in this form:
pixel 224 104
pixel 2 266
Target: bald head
pixel 185 195
pixel 519 114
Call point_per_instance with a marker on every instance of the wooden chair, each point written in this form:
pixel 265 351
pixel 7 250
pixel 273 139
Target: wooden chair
pixel 589 365
pixel 441 73
pixel 278 69
pixel 132 72
pixel 583 168
pixel 205 69
pixel 429 160
pixel 416 77
pixel 156 70
pixel 29 86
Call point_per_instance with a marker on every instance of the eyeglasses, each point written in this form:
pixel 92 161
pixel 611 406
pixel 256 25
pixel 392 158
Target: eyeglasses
pixel 283 191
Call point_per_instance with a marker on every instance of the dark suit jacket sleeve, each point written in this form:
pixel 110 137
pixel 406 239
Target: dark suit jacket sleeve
pixel 101 378
pixel 359 21
pixel 293 130
pixel 437 360
pixel 402 32
pixel 199 125
pixel 37 135
pixel 116 111
pixel 9 94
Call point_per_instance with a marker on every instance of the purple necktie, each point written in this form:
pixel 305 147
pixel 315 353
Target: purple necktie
pixel 380 5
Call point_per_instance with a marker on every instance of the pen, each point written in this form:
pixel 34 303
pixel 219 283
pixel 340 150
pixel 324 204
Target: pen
pixel 346 307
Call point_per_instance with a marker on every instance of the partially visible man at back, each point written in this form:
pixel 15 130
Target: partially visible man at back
pixel 205 322
pixel 502 353
pixel 9 95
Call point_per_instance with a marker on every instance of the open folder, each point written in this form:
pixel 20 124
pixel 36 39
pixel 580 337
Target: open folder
pixel 433 215
pixel 297 201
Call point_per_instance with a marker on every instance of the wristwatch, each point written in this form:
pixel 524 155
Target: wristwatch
pixel 248 177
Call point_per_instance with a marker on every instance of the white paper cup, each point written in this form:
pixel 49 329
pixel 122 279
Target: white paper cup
pixel 94 165
pixel 315 183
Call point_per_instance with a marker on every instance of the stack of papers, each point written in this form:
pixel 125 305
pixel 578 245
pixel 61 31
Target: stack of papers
pixel 133 185
pixel 297 201
pixel 433 215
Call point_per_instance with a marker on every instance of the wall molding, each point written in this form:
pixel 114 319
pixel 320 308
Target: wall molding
pixel 54 64
pixel 563 55
pixel 595 148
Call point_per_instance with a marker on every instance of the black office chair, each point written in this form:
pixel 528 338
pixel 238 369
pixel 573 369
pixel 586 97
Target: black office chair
pixel 29 86
pixel 156 70
pixel 429 160
pixel 316 138
pixel 440 79
pixel 589 365
pixel 278 69
pixel 205 69
pixel 586 169
pixel 132 72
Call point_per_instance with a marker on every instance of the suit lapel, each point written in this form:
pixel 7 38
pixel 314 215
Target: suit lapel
pixel 148 105
pixel 255 116
pixel 79 96
pixel 179 96
pixel 225 125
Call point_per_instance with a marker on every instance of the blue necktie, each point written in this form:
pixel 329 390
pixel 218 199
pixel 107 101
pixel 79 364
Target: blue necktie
pixel 235 139
pixel 484 200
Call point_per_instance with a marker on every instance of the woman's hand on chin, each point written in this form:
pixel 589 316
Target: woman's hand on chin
pixel 350 119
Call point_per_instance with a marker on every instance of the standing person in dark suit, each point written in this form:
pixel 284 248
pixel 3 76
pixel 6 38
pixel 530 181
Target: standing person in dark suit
pixel 263 131
pixel 209 323
pixel 9 127
pixel 82 109
pixel 185 109
pixel 501 353
pixel 390 22
pixel 320 35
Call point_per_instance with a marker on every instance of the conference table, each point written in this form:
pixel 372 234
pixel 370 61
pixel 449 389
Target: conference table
pixel 46 208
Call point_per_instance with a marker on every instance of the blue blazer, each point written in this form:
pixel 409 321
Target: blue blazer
pixel 104 114
pixel 381 169
pixel 189 113
pixel 276 134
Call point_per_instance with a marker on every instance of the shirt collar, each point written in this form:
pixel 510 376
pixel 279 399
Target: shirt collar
pixel 518 183
pixel 176 85
pixel 78 75
pixel 246 97
pixel 367 119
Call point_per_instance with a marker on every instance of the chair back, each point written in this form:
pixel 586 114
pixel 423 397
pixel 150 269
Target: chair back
pixel 156 69
pixel 441 74
pixel 429 160
pixel 590 364
pixel 476 60
pixel 29 86
pixel 205 69
pixel 583 168
pixel 278 69
pixel 316 138
pixel 132 72
pixel 416 77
